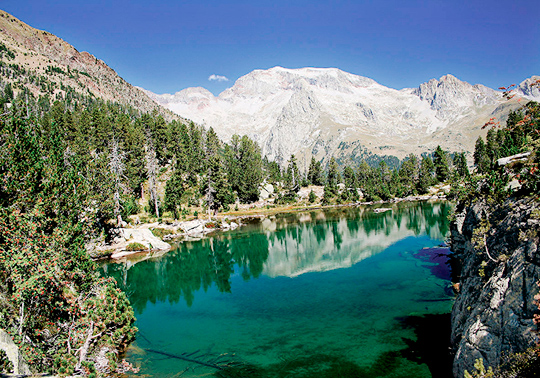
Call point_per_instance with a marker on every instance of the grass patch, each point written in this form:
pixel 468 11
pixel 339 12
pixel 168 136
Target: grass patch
pixel 96 254
pixel 132 247
pixel 161 232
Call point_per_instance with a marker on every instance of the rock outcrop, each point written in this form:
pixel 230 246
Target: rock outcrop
pixel 497 247
pixel 12 352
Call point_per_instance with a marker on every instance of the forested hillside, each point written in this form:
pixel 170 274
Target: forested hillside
pixel 40 63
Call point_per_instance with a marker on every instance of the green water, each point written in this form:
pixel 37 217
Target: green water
pixel 339 293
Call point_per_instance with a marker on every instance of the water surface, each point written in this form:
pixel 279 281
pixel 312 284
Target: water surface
pixel 335 293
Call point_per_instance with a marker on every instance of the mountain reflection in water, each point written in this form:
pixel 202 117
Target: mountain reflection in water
pixel 284 245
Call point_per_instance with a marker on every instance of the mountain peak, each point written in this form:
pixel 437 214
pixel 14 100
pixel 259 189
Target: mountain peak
pixel 325 112
pixel 449 78
pixel 529 88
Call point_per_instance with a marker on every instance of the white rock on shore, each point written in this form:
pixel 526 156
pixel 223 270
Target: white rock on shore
pixel 142 236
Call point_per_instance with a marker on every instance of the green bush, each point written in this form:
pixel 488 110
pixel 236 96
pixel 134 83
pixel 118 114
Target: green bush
pixel 135 247
pixel 6 367
pixel 130 207
pixel 312 197
pixel 161 232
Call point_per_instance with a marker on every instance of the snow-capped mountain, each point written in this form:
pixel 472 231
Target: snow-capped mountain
pixel 327 112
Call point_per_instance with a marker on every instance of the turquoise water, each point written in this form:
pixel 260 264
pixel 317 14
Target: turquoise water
pixel 314 294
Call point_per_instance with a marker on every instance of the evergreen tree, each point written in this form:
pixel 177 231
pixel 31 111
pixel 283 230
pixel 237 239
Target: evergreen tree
pixel 291 182
pixel 176 149
pixel 460 163
pixel 409 173
pixel 332 180
pixel 244 167
pixel 492 146
pixel 160 135
pixel 117 168
pixel 174 190
pixel 273 172
pixel 315 174
pixel 250 166
pixel 196 149
pixel 183 156
pixel 440 161
pixel 232 162
pixel 481 159
pixel 213 166
pixel 216 188
pixel 351 184
pixel 364 174
pixel 133 140
pixel 152 172
pixel 425 178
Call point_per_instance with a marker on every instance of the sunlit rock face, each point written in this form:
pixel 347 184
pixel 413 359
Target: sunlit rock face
pixel 529 88
pixel 493 315
pixel 305 247
pixel 327 112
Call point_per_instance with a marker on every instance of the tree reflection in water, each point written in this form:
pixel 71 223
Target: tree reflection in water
pixel 287 245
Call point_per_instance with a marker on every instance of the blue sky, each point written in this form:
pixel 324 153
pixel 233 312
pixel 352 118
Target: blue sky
pixel 166 46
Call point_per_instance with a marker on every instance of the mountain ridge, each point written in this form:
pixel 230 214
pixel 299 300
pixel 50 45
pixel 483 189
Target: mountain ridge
pixel 329 112
pixel 49 66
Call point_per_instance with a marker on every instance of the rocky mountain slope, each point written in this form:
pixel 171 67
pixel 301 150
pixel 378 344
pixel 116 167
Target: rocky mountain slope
pixel 49 66
pixel 493 313
pixel 325 112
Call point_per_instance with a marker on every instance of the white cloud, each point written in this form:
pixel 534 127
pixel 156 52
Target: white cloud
pixel 217 78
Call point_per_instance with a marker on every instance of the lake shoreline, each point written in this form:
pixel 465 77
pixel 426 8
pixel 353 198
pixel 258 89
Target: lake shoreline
pixel 198 228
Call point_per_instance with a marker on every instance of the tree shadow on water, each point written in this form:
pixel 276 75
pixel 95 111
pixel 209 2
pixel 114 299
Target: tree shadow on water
pixel 432 345
pixel 316 366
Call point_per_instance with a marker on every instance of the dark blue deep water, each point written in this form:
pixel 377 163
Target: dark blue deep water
pixel 339 293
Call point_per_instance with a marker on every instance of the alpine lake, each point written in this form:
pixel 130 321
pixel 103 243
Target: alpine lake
pixel 345 292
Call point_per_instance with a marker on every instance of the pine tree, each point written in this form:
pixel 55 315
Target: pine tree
pixel 152 172
pixel 216 188
pixel 273 172
pixel 332 180
pixel 492 146
pixel 440 160
pixel 460 163
pixel 351 184
pixel 291 181
pixel 409 173
pixel 481 159
pixel 174 189
pixel 251 173
pixel 425 178
pixel 315 176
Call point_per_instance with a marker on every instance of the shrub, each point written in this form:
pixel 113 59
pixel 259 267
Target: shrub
pixel 312 197
pixel 6 366
pixel 136 247
pixel 161 232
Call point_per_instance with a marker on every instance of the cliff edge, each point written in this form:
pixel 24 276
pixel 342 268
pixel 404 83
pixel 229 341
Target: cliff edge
pixel 499 266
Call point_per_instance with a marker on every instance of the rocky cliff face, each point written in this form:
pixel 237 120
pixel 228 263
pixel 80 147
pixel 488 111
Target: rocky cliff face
pixel 529 91
pixel 326 112
pixel 500 269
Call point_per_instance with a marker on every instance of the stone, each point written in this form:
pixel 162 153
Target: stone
pixel 493 315
pixel 12 352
